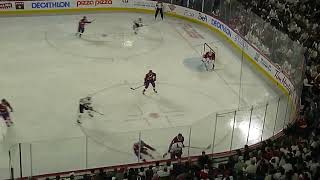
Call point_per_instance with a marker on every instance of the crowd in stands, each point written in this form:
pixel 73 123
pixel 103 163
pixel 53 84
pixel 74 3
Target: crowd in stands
pixel 296 155
pixel 279 28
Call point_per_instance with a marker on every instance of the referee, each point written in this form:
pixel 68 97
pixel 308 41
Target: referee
pixel 159 7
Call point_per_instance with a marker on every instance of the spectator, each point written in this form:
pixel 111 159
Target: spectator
pixel 149 173
pixel 204 173
pixel 163 172
pixel 204 159
pixel 178 168
pixel 252 168
pixel 142 173
pixel 156 168
pixel 239 166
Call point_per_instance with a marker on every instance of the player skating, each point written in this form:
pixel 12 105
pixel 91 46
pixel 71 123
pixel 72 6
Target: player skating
pixel 143 148
pixel 208 60
pixel 82 24
pixel 150 78
pixel 136 25
pixel 85 105
pixel 159 8
pixel 4 113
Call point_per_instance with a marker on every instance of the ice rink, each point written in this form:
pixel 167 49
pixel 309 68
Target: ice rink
pixel 45 69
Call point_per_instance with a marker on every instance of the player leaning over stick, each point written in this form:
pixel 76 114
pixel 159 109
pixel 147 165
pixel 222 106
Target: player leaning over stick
pixel 150 78
pixel 85 104
pixel 136 25
pixel 159 8
pixel 175 147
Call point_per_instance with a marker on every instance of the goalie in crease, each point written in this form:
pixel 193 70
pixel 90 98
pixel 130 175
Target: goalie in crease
pixel 209 60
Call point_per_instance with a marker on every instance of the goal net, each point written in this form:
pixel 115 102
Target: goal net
pixel 209 56
pixel 210 48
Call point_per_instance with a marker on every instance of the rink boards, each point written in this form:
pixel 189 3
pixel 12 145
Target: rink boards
pixel 250 52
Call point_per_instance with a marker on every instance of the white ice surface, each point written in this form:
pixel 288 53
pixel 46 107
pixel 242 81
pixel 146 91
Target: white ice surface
pixel 45 69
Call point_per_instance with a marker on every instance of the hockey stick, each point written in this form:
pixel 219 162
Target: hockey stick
pixel 202 148
pixel 136 87
pixel 97 112
pixel 165 155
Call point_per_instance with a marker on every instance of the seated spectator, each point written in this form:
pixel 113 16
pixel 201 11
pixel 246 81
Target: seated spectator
pixel 204 172
pixel 163 172
pixel 149 173
pixel 178 168
pixel 156 168
pixel 142 173
pixel 204 159
pixel 252 168
pixel 240 165
pixel 169 166
pixel 262 169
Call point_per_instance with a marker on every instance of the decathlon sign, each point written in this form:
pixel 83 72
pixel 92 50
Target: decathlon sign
pixel 50 5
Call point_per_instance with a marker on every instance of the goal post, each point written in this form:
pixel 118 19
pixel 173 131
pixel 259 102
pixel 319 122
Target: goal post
pixel 210 47
pixel 214 50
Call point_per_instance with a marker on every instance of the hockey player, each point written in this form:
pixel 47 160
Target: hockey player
pixel 6 103
pixel 176 150
pixel 178 138
pixel 85 104
pixel 4 113
pixel 142 147
pixel 82 24
pixel 208 60
pixel 150 78
pixel 136 25
pixel 175 147
pixel 159 8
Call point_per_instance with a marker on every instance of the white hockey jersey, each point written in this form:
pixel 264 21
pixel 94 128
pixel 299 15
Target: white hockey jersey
pixel 176 147
pixel 86 101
